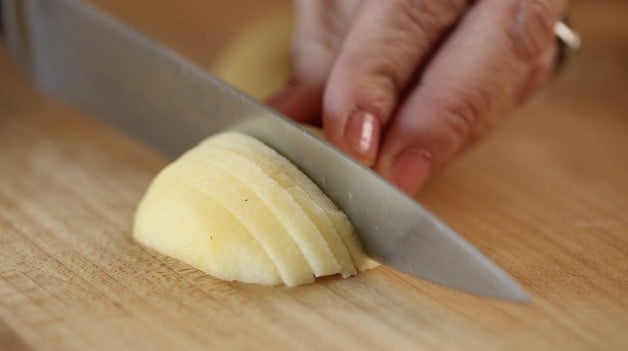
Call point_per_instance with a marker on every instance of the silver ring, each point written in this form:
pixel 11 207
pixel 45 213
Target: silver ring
pixel 568 41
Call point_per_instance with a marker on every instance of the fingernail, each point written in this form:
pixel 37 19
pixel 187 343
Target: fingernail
pixel 362 133
pixel 411 169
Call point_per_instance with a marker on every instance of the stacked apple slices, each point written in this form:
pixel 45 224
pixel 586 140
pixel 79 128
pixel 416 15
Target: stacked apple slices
pixel 237 210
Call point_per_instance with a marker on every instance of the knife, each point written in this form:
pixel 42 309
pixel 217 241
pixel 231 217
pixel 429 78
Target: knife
pixel 82 56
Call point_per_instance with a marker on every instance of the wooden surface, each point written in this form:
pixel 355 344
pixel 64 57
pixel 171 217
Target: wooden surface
pixel 546 197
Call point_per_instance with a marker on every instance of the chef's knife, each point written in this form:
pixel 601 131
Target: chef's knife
pixel 80 55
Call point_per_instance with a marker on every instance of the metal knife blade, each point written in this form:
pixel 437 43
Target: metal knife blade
pixel 85 57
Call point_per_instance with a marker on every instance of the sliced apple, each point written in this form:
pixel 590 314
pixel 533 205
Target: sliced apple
pixel 238 210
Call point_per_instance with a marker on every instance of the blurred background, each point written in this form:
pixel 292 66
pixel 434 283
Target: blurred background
pixel 244 42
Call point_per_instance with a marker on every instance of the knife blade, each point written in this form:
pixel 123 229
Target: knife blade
pixel 83 56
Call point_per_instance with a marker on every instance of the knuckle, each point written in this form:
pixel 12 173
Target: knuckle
pixel 374 98
pixel 374 84
pixel 532 30
pixel 388 76
pixel 462 111
pixel 431 16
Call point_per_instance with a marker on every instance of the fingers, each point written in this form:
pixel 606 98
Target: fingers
pixel 477 76
pixel 320 30
pixel 387 43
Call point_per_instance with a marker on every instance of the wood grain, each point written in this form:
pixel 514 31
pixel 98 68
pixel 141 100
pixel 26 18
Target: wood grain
pixel 546 197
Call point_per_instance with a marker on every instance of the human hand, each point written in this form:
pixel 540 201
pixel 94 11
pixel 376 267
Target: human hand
pixel 403 86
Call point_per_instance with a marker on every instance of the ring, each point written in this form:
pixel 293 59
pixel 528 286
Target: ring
pixel 568 41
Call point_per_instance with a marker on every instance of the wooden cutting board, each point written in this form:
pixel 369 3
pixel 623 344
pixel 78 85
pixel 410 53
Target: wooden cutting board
pixel 546 197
